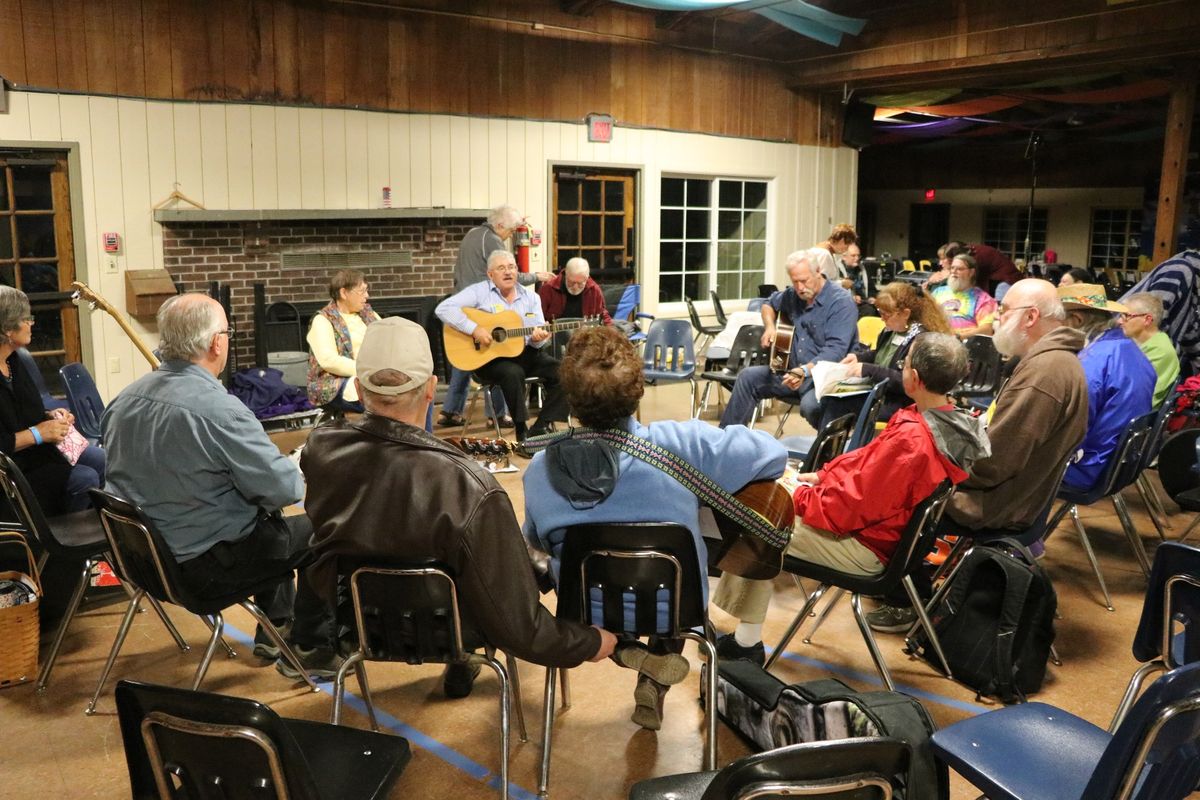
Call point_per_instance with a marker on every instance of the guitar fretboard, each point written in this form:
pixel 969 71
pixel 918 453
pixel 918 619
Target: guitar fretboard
pixel 551 326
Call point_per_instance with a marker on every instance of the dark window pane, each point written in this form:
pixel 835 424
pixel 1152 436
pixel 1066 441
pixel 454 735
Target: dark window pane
pixel 614 229
pixel 729 256
pixel 756 195
pixel 696 256
pixel 614 259
pixel 672 225
pixel 730 194
pixel 35 236
pixel 728 284
pixel 591 195
pixel 591 230
pixel 593 258
pixel 565 254
pixel 750 283
pixel 568 230
pixel 697 224
pixel 695 284
pixel 568 195
pixel 698 192
pixel 47 329
pixel 6 274
pixel 729 224
pixel 3 191
pixel 670 288
pixel 670 256
pixel 39 278
pixel 614 196
pixel 756 225
pixel 6 249
pixel 31 188
pixel 49 366
pixel 672 192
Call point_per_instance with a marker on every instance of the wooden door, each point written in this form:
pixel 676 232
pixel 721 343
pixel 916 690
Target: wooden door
pixel 595 218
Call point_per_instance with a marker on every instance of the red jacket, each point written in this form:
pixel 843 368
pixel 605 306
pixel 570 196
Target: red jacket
pixel 870 493
pixel 554 299
pixel 992 268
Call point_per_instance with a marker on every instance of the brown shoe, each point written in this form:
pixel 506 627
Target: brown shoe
pixel 649 697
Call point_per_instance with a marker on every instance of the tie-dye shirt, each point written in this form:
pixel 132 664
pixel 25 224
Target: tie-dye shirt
pixel 973 308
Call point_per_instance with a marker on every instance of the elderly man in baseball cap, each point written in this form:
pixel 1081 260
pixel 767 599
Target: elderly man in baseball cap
pixel 1119 376
pixel 381 488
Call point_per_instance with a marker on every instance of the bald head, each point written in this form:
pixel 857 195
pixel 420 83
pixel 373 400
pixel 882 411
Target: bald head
pixel 1030 310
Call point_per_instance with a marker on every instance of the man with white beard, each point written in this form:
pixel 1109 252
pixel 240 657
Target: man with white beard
pixel 572 294
pixel 971 310
pixel 1041 416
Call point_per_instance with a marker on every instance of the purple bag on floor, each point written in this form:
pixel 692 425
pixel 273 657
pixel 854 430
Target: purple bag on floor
pixel 263 391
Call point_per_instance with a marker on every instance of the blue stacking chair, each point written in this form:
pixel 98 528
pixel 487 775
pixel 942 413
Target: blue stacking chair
pixel 669 356
pixel 1036 751
pixel 626 311
pixel 1168 635
pixel 1154 507
pixel 84 399
pixel 864 426
pixel 49 402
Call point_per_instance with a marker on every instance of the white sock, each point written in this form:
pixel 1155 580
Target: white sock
pixel 748 634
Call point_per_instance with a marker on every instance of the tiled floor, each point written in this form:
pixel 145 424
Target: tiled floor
pixel 52 750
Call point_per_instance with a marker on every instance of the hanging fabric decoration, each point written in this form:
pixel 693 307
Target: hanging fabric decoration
pixel 796 15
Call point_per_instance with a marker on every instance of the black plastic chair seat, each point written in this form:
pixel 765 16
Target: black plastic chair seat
pixel 690 786
pixel 212 606
pixel 868 585
pixel 371 760
pixel 78 533
pixel 1189 500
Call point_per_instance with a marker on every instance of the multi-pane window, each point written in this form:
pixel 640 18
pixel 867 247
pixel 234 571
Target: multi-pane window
pixel 1116 238
pixel 1004 228
pixel 593 219
pixel 712 235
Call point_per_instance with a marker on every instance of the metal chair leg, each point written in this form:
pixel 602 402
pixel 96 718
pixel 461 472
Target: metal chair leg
pixel 514 678
pixel 566 688
pixel 1153 507
pixel 952 558
pixel 218 627
pixel 710 707
pixel 60 634
pixel 1054 656
pixel 229 651
pixel 1135 541
pixel 122 632
pixel 923 620
pixel 505 704
pixel 1132 690
pixel 547 730
pixel 1190 529
pixel 838 593
pixel 795 626
pixel 360 672
pixel 285 649
pixel 869 638
pixel 339 686
pixel 1087 548
pixel 166 621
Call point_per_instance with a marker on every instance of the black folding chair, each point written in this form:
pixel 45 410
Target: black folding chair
pixel 746 351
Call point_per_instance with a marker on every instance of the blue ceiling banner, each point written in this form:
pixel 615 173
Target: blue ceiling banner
pixel 796 15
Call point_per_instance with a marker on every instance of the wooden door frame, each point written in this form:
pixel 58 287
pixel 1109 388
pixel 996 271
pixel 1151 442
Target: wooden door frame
pixel 639 180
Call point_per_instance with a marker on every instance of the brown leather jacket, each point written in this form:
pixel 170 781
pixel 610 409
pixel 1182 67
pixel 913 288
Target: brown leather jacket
pixel 378 487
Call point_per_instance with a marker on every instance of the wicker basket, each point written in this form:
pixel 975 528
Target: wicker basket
pixel 19 624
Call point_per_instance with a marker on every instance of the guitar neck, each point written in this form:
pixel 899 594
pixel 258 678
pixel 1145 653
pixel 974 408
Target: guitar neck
pixel 551 326
pixel 97 301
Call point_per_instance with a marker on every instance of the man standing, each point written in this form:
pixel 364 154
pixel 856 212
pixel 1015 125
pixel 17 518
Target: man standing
pixel 471 267
pixel 573 294
pixel 1140 324
pixel 501 292
pixel 1120 379
pixel 825 321
pixel 971 310
pixel 195 459
pixel 1040 418
pixel 367 474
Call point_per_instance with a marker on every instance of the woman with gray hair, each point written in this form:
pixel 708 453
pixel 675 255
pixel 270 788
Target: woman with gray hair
pixel 29 434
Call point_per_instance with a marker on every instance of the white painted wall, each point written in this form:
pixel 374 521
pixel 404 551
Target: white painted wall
pixel 238 156
pixel 1068 223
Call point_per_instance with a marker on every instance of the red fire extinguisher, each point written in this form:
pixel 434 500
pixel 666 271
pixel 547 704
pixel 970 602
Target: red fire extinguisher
pixel 522 240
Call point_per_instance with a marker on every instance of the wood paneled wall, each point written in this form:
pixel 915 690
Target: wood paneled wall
pixel 484 59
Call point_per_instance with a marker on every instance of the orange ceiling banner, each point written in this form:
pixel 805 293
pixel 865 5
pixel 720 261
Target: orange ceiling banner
pixel 966 108
pixel 1117 94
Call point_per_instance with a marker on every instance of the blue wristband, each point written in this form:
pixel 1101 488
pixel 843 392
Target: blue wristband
pixel 37 436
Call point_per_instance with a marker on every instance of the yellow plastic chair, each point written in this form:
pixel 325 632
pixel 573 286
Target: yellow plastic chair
pixel 909 266
pixel 926 264
pixel 869 329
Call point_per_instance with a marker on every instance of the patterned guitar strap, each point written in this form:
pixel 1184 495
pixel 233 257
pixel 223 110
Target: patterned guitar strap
pixel 699 484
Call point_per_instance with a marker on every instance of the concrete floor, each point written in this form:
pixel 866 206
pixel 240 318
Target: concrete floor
pixel 53 750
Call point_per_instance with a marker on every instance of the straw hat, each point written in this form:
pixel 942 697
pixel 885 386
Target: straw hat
pixel 1089 296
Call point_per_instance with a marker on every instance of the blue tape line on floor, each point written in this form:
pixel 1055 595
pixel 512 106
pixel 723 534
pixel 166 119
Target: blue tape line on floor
pixel 414 736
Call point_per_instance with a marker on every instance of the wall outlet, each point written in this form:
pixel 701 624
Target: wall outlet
pixel 114 364
pixel 110 265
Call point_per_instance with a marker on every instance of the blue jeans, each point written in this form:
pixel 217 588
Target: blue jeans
pixel 456 394
pixel 758 383
pixel 88 473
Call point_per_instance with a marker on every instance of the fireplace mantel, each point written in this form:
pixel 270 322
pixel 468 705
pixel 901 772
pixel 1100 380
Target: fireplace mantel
pixel 183 216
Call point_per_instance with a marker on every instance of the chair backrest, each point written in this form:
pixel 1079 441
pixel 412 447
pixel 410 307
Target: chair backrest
pixel 983 367
pixel 1170 625
pixel 626 306
pixel 694 315
pixel 193 739
pixel 84 399
pixel 140 555
pixel 1152 754
pixel 560 339
pixel 283 328
pixel 669 347
pixel 620 573
pixel 845 769
pixel 869 329
pixel 829 444
pixel 718 309
pixel 767 289
pixel 746 350
pixel 1126 462
pixel 917 539
pixel 24 504
pixel 868 415
pixel 1155 443
pixel 31 368
pixel 1177 462
pixel 406 612
pixel 756 304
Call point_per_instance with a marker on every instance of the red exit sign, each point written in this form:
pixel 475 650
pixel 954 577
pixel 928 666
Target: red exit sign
pixel 600 128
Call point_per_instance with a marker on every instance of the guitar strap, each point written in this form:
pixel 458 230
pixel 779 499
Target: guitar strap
pixel 704 487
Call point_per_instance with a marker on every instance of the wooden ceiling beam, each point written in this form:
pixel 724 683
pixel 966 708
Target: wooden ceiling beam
pixel 580 8
pixel 671 20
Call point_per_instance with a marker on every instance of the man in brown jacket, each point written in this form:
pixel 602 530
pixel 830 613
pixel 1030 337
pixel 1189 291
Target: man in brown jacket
pixel 1040 419
pixel 380 486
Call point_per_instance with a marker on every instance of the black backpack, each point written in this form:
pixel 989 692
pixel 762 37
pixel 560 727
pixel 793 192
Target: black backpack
pixel 995 623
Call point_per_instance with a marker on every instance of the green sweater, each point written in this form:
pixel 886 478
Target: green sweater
pixel 1161 351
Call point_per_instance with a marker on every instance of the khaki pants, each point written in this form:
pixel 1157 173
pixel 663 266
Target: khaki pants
pixel 748 600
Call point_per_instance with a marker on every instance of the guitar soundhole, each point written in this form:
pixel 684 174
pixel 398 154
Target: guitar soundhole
pixel 499 334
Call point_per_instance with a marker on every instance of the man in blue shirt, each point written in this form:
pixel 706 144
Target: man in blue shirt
pixel 203 469
pixel 502 292
pixel 826 326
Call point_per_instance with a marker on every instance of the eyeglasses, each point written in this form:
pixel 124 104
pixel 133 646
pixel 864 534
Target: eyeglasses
pixel 1003 309
pixel 504 268
pixel 359 289
pixel 230 332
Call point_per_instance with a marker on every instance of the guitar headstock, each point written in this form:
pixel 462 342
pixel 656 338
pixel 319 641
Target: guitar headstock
pixel 487 448
pixel 85 293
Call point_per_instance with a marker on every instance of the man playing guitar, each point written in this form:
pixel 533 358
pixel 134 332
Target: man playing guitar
pixel 502 292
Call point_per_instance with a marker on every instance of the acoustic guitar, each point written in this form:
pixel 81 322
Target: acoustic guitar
pixel 96 300
pixel 781 349
pixel 739 551
pixel 508 337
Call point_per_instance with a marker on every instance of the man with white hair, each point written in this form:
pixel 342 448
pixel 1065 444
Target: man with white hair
pixel 971 310
pixel 366 474
pixel 573 294
pixel 1141 324
pixel 826 326
pixel 199 464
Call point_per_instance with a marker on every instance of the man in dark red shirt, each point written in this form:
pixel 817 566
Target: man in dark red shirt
pixel 572 294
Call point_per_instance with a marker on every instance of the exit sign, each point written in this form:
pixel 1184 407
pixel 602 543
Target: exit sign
pixel 600 128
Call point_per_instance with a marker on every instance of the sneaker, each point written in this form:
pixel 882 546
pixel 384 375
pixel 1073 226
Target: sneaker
pixel 728 649
pixel 448 419
pixel 459 679
pixel 889 619
pixel 668 669
pixel 321 663
pixel 264 647
pixel 648 697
